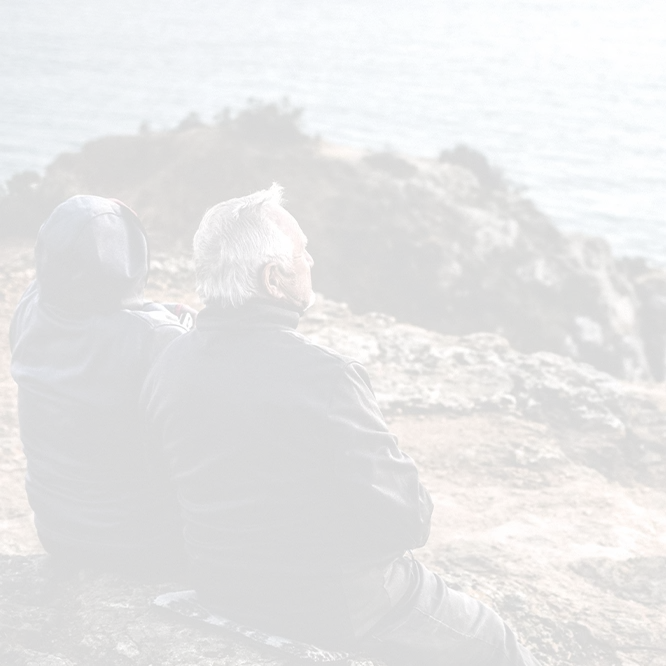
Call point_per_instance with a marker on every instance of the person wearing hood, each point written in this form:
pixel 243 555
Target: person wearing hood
pixel 82 341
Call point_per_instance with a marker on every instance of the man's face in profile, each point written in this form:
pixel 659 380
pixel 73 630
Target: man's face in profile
pixel 297 285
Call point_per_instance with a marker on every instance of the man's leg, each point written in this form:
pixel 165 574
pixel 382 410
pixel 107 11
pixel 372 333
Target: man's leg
pixel 435 625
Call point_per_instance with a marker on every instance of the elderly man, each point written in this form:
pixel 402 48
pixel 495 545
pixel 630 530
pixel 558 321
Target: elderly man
pixel 299 507
pixel 82 342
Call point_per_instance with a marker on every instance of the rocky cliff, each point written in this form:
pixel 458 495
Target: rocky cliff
pixel 444 244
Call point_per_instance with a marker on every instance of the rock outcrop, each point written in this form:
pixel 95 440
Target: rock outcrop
pixel 416 370
pixel 445 244
pixel 651 289
pixel 420 371
pixel 546 474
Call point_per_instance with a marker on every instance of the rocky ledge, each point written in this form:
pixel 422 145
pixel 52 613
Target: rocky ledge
pixel 547 477
pixel 447 244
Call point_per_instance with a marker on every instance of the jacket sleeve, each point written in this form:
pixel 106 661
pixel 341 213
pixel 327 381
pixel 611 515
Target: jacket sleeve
pixel 28 301
pixel 383 506
pixel 164 331
pixel 164 328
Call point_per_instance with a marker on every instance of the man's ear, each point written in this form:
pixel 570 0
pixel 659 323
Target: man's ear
pixel 270 280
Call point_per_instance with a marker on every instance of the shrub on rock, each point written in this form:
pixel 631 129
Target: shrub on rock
pixel 488 175
pixel 190 121
pixel 391 163
pixel 277 122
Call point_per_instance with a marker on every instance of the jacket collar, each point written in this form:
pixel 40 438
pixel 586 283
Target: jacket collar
pixel 256 313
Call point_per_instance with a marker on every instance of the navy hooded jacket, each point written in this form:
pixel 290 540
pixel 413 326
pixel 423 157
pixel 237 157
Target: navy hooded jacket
pixel 82 343
pixel 295 497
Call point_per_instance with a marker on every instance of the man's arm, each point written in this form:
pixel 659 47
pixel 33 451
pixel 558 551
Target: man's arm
pixel 384 507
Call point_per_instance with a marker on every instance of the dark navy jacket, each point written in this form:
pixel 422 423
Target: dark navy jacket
pixel 82 344
pixel 288 479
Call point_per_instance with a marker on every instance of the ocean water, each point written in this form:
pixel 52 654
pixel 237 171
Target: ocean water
pixel 567 97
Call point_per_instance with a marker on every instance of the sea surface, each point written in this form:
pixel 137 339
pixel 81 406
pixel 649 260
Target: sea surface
pixel 567 97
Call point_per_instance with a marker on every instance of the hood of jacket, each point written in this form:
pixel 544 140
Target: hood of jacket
pixel 91 256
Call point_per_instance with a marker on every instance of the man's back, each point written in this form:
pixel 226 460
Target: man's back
pixel 286 473
pixel 298 504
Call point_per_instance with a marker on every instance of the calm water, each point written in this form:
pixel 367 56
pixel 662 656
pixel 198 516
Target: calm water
pixel 568 97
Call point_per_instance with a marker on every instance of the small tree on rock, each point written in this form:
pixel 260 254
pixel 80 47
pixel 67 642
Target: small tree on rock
pixel 277 122
pixel 488 175
pixel 190 121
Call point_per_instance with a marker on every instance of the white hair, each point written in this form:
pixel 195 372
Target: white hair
pixel 235 240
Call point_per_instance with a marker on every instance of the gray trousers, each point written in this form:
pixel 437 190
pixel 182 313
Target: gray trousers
pixel 433 625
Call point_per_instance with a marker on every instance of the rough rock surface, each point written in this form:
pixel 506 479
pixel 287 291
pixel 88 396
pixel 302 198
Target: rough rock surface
pixel 651 289
pixel 640 579
pixel 419 371
pixel 547 478
pixel 445 244
pixel 87 618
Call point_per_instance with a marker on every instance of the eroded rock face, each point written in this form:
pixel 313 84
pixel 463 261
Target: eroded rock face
pixel 437 250
pixel 651 288
pixel 444 244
